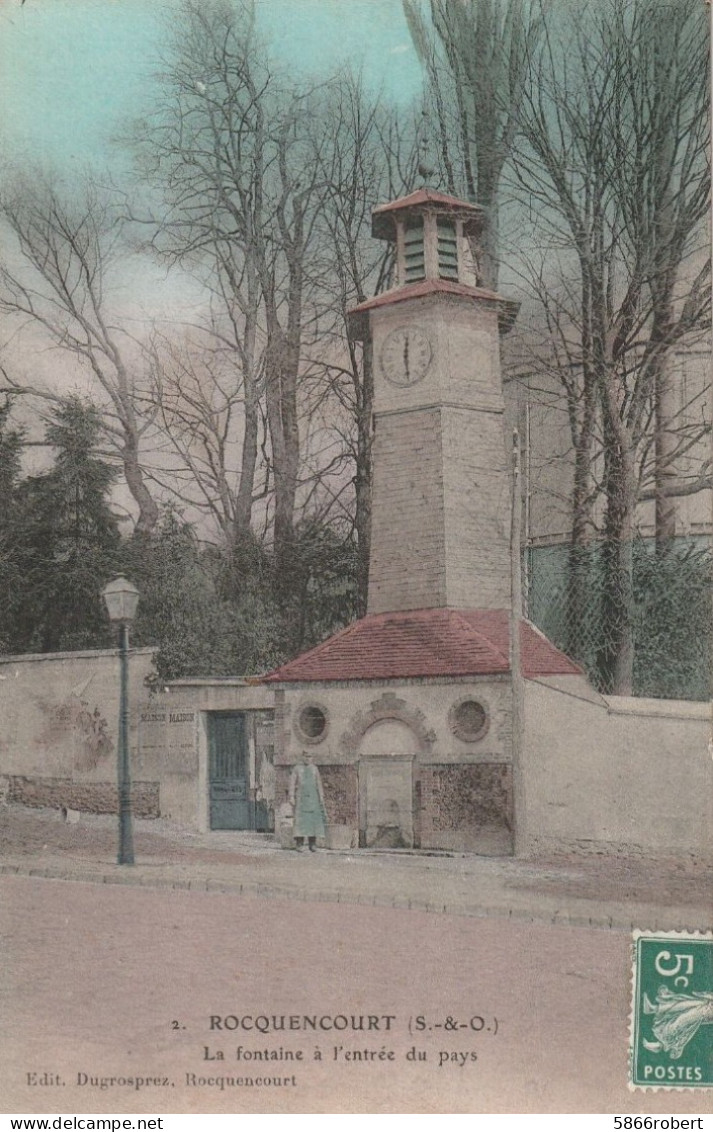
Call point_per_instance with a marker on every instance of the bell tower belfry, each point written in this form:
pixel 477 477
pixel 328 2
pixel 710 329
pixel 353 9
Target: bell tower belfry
pixel 441 493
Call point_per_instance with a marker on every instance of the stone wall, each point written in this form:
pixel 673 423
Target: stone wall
pixel 91 797
pixel 424 706
pixel 614 774
pixel 458 792
pixel 467 806
pixel 428 547
pixel 58 742
pixel 341 791
pixel 60 715
pixel 477 517
pixel 609 775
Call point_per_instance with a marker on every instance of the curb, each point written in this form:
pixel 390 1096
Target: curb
pixel 215 886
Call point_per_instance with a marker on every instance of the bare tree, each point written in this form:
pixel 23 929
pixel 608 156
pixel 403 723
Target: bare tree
pixel 476 55
pixel 54 278
pixel 202 151
pixel 662 179
pixel 571 472
pixel 370 158
pixel 202 413
pixel 614 121
pixel 234 153
pixel 267 189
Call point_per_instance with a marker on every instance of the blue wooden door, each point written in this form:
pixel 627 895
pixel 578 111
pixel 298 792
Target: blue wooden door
pixel 230 805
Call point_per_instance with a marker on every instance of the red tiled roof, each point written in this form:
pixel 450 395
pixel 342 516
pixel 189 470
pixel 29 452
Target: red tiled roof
pixel 423 643
pixel 426 287
pixel 426 196
pixel 507 309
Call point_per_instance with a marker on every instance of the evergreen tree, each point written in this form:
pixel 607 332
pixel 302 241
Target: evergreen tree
pixel 322 590
pixel 11 439
pixel 199 628
pixel 66 540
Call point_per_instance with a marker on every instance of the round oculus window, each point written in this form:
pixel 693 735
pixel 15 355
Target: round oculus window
pixel 312 723
pixel 469 720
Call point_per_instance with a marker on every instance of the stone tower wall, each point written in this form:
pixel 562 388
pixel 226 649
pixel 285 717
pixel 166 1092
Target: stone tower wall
pixel 477 510
pixel 441 508
pixel 408 556
pixel 441 492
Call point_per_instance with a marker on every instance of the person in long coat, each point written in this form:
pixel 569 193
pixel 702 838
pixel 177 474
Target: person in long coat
pixel 307 798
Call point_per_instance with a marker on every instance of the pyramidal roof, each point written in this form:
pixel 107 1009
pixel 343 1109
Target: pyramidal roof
pixel 417 200
pixel 428 196
pixel 425 643
pixel 427 287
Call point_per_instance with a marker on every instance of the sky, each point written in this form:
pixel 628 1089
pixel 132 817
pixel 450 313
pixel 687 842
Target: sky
pixel 74 72
pixel 71 71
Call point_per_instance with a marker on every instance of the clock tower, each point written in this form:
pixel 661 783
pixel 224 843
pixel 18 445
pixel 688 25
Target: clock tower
pixel 441 501
pixel 413 710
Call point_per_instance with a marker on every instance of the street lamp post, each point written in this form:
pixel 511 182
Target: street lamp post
pixel 121 600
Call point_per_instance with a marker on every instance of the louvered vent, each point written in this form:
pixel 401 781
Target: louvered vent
pixel 447 250
pixel 414 258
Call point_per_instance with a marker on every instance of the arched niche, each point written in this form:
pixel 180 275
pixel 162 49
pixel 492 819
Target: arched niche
pixel 392 709
pixel 389 737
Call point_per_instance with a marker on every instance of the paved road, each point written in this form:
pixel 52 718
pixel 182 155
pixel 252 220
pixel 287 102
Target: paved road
pixel 583 891
pixel 98 976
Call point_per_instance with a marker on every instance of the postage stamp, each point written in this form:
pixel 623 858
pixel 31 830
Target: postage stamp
pixel 671 1042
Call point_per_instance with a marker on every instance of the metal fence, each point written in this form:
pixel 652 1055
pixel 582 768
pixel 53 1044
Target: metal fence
pixel 671 613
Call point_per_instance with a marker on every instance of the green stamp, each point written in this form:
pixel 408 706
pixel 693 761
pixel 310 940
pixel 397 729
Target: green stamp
pixel 672 1011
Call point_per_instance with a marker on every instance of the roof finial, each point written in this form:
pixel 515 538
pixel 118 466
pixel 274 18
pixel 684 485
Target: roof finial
pixel 426 168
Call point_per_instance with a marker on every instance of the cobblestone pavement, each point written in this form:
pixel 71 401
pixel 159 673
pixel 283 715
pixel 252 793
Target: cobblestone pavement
pixel 587 890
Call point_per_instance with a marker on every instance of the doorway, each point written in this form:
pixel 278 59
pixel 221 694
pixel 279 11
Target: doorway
pixel 229 772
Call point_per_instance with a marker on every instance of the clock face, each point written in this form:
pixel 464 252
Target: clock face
pixel 406 355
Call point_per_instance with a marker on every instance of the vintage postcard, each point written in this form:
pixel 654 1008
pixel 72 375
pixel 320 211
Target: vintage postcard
pixel 355 558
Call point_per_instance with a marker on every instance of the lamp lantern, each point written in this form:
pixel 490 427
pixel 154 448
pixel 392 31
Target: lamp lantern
pixel 121 599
